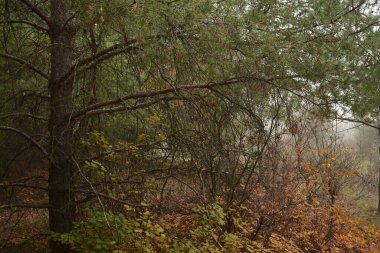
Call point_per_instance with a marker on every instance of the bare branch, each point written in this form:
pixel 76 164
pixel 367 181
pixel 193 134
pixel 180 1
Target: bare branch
pixel 37 11
pixel 119 150
pixel 127 108
pixel 26 205
pixel 358 121
pixel 115 47
pixel 168 91
pixel 99 54
pixel 95 60
pixel 352 9
pixel 362 29
pixel 22 61
pixel 107 53
pixel 102 195
pixel 27 137
pixel 27 22
pixel 23 185
pixel 5 116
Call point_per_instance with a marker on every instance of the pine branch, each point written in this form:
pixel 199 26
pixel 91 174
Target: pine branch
pixel 358 121
pixel 151 94
pixel 75 70
pixel 27 64
pixel 87 63
pixel 37 11
pixel 34 25
pixel 126 108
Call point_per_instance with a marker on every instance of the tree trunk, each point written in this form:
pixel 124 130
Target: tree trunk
pixel 62 209
pixel 378 190
pixel 378 180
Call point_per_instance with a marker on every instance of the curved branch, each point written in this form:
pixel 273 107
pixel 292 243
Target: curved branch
pixel 27 64
pixel 119 150
pixel 358 121
pixel 27 22
pixel 89 62
pixel 362 29
pixel 27 137
pixel 22 185
pixel 103 195
pixel 126 108
pixel 4 116
pixel 168 91
pixel 117 46
pixel 99 54
pixel 93 61
pixel 26 205
pixel 37 11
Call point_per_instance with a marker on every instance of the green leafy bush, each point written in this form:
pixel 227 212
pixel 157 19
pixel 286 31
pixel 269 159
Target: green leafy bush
pixel 204 231
pixel 109 232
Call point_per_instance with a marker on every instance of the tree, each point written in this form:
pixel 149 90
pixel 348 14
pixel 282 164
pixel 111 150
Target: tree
pixel 94 58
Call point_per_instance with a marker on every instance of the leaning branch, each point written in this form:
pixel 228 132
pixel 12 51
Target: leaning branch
pixel 119 150
pixel 26 205
pixel 119 48
pixel 375 23
pixel 126 108
pixel 105 196
pixel 27 137
pixel 91 62
pixel 75 70
pixel 168 91
pixel 115 47
pixel 27 64
pixel 99 54
pixel 23 185
pixel 358 121
pixel 28 115
pixel 26 22
pixel 37 11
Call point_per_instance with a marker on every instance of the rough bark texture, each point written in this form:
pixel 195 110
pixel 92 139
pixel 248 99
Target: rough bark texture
pixel 378 179
pixel 378 184
pixel 378 191
pixel 62 210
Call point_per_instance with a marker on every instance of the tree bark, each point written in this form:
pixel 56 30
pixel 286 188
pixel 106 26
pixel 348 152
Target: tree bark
pixel 61 199
pixel 378 180
pixel 378 190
